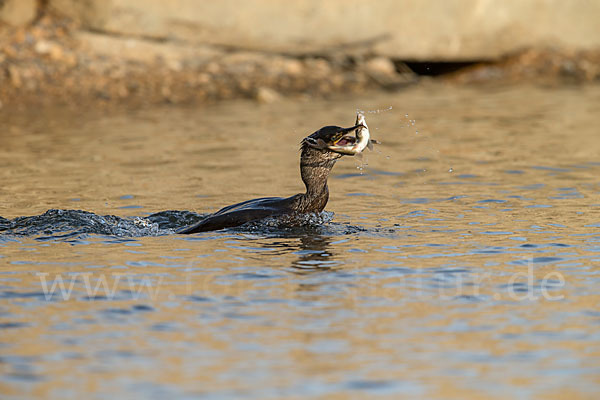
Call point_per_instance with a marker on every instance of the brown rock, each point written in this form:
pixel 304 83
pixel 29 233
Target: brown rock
pixel 17 12
pixel 15 76
pixel 318 68
pixel 266 95
pixel 293 67
pixel 380 66
pixel 57 53
pixel 52 49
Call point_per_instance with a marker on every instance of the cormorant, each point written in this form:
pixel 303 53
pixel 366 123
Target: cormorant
pixel 319 152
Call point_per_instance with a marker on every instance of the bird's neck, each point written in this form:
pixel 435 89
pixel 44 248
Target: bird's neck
pixel 315 166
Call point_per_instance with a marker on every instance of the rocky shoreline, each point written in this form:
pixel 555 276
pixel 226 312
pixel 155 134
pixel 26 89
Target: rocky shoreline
pixel 53 61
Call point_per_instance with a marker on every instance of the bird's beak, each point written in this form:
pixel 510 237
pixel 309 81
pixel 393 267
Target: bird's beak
pixel 339 135
pixel 355 127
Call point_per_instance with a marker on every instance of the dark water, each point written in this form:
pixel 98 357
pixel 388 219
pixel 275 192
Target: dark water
pixel 462 262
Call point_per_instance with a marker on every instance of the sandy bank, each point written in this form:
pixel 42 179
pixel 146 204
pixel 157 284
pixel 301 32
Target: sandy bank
pixel 53 61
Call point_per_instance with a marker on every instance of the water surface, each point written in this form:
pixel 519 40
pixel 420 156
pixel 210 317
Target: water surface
pixel 462 262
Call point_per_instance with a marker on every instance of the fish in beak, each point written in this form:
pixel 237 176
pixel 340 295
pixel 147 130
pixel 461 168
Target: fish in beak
pixel 327 136
pixel 354 144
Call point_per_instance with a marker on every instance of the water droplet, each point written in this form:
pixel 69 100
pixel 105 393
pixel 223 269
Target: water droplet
pixel 378 111
pixel 451 169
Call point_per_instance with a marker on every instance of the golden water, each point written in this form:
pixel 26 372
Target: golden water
pixel 462 262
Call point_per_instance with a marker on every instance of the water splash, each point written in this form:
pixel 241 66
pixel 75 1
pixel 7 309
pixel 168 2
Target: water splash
pixel 378 111
pixel 69 224
pixel 293 221
pixel 75 223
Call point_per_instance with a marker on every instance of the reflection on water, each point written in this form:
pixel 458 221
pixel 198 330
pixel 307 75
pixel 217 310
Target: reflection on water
pixel 462 262
pixel 315 254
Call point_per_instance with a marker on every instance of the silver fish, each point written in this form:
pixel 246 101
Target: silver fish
pixel 354 145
